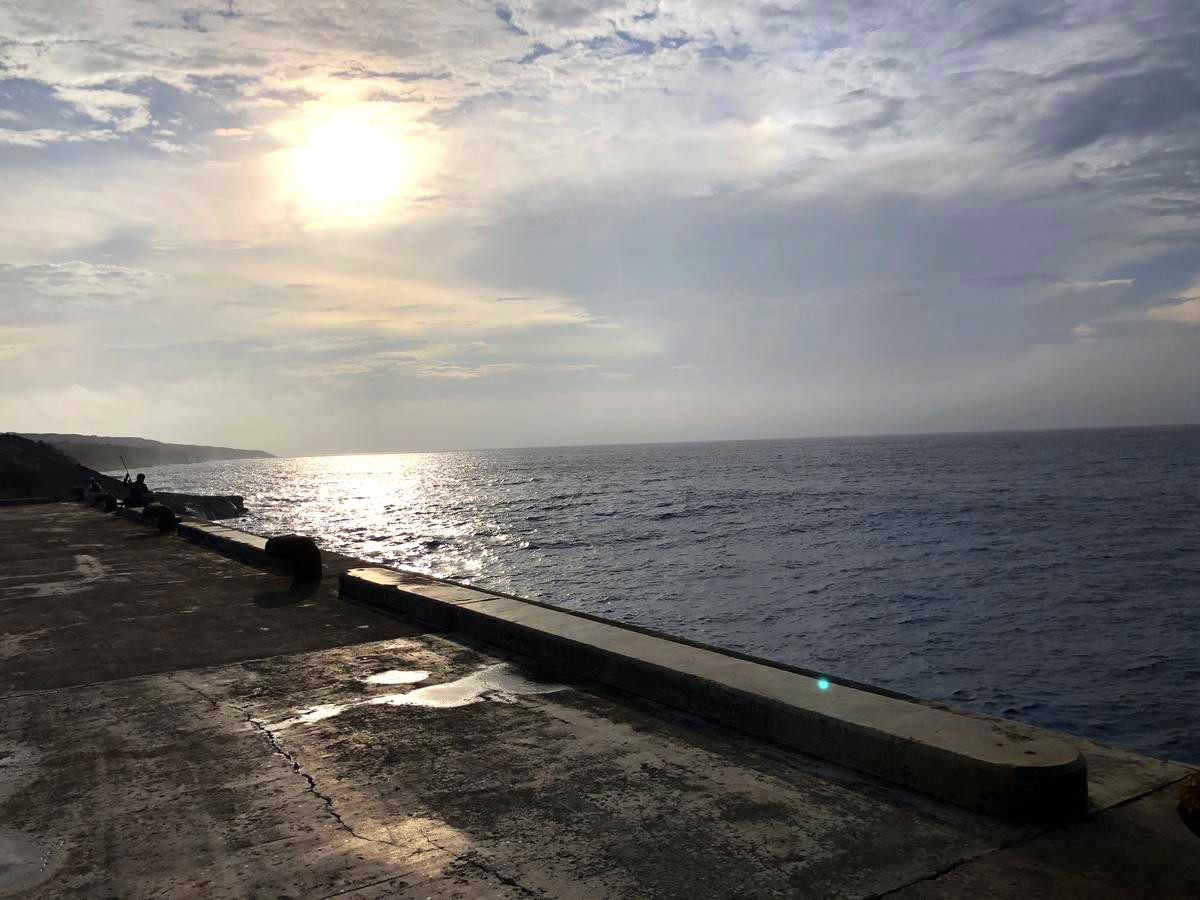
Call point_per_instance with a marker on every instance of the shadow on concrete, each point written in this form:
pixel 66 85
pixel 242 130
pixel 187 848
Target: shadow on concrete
pixel 149 535
pixel 293 596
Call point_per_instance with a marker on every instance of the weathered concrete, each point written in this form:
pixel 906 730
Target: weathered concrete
pixel 86 596
pixel 217 767
pixel 973 763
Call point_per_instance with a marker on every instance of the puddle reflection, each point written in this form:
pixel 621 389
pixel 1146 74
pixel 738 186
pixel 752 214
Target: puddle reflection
pixel 500 683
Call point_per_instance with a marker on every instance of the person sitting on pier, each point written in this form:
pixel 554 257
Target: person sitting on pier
pixel 139 493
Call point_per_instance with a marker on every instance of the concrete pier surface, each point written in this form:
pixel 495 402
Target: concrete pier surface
pixel 175 722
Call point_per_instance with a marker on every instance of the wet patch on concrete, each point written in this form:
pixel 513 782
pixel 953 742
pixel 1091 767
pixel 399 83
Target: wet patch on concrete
pixel 396 676
pixel 499 683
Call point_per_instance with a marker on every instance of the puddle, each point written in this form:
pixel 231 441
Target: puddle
pixel 500 680
pixel 499 683
pixel 396 676
pixel 316 714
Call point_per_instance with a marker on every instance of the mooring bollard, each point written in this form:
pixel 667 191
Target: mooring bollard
pixel 301 553
pixel 161 516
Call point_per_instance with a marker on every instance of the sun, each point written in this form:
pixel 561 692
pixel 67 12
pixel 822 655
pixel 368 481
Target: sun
pixel 349 168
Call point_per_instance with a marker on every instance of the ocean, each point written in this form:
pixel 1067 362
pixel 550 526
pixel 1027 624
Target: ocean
pixel 1049 576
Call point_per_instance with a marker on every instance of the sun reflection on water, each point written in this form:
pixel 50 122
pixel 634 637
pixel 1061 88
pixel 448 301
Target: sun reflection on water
pixel 413 509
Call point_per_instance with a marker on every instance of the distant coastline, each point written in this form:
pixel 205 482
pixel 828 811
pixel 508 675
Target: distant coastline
pixel 106 454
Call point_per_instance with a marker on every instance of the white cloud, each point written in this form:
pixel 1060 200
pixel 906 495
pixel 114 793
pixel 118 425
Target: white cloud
pixel 122 111
pixel 1080 286
pixel 40 137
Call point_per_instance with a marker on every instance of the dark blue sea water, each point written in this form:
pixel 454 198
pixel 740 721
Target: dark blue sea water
pixel 1049 576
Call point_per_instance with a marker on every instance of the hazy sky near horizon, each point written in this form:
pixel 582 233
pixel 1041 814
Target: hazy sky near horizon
pixel 311 227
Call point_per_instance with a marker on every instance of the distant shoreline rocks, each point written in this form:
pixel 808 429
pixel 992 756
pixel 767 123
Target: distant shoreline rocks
pixel 202 506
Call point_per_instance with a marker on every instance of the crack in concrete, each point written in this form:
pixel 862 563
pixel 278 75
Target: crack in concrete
pixel 470 859
pixel 277 749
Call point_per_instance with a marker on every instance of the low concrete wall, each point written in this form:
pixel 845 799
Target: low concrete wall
pixel 243 545
pixel 967 761
pixel 23 501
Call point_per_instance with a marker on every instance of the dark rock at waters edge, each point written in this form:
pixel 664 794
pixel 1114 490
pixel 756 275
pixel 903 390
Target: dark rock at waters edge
pixel 202 506
pixel 30 468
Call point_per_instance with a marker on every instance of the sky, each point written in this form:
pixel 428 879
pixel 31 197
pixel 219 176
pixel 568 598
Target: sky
pixel 363 226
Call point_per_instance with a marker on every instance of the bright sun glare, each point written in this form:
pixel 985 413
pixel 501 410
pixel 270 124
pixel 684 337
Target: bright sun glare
pixel 349 169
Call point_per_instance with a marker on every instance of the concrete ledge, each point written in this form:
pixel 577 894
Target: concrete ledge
pixel 23 501
pixel 431 603
pixel 972 763
pixel 243 545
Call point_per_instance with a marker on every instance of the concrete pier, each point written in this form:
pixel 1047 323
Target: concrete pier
pixel 176 721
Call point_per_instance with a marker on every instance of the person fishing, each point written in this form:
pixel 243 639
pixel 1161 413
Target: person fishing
pixel 139 493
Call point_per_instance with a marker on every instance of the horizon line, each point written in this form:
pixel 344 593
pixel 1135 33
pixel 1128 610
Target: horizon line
pixel 772 439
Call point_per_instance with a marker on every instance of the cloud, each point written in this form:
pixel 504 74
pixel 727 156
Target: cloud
pixel 1158 99
pixel 1186 310
pixel 116 109
pixel 1009 20
pixel 48 291
pixel 830 194
pixel 1078 285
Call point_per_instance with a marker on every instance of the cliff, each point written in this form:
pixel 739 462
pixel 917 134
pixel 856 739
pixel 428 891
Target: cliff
pixel 30 468
pixel 105 453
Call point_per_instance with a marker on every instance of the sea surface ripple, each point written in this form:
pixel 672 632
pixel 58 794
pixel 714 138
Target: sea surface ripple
pixel 1049 576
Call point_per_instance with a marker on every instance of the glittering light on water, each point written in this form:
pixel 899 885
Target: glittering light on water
pixel 823 683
